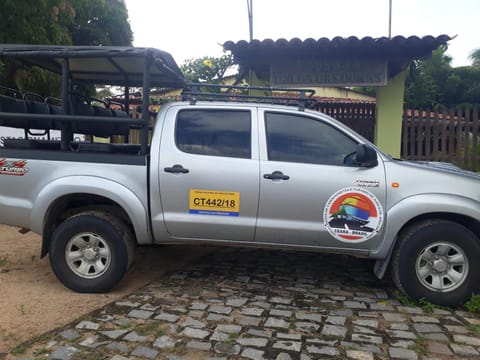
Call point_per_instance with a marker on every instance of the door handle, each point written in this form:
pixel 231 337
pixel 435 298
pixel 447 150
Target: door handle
pixel 176 169
pixel 276 175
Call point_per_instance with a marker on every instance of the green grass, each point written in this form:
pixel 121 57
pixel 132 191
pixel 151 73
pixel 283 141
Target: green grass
pixel 3 261
pixel 473 304
pixel 420 346
pixel 422 303
pixel 155 328
pixel 474 329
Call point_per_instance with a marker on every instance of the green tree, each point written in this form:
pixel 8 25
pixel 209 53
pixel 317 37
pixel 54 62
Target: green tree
pixel 58 22
pixel 475 57
pixel 206 69
pixel 427 80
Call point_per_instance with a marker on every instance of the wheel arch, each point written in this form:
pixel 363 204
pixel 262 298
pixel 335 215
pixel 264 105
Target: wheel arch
pixel 416 209
pixel 69 196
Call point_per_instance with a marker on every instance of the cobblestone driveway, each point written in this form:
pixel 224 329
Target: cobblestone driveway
pixel 258 304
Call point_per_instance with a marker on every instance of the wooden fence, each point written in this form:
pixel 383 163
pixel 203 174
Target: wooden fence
pixel 358 116
pixel 450 136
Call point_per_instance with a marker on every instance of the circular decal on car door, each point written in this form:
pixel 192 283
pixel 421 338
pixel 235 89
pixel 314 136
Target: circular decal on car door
pixel 353 215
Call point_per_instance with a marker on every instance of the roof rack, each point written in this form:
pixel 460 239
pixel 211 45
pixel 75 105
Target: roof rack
pixel 303 98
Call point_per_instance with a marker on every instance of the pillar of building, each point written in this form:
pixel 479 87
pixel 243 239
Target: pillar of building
pixel 389 112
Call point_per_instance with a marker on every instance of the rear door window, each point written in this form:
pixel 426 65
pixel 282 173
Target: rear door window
pixel 214 132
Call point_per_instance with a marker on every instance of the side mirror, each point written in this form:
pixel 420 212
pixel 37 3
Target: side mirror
pixel 366 156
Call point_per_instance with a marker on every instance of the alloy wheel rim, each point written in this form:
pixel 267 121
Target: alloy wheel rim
pixel 88 255
pixel 442 267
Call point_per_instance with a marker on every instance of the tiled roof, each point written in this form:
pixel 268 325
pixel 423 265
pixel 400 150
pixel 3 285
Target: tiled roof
pixel 412 46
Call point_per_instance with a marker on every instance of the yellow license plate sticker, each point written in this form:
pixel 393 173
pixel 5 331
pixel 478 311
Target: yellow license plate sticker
pixel 214 202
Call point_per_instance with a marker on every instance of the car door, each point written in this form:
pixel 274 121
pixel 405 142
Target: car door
pixel 310 193
pixel 209 173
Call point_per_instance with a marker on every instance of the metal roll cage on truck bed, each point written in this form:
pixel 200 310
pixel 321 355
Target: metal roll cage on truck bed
pixel 222 166
pixel 117 66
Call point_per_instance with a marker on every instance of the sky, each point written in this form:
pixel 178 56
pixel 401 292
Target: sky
pixel 195 28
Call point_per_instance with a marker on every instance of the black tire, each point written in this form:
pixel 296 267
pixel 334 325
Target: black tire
pixel 100 248
pixel 437 260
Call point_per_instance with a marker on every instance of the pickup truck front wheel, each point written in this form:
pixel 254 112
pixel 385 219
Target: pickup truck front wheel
pixel 437 260
pixel 90 252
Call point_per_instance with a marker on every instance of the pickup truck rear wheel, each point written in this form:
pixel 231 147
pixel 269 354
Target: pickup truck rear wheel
pixel 437 260
pixel 91 252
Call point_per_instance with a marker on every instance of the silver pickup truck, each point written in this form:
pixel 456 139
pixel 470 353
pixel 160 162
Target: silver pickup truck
pixel 242 173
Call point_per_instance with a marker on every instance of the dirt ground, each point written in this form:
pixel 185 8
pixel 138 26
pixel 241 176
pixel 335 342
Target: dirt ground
pixel 33 301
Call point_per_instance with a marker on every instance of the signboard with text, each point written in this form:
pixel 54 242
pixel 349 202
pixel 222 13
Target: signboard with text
pixel 331 72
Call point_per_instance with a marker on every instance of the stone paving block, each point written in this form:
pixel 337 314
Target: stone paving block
pixel 252 311
pixel 393 317
pixel 468 340
pixel 406 354
pixel 91 342
pixel 306 326
pixel 277 323
pixel 128 303
pixel 336 320
pixel 227 349
pixel 402 344
pixel 359 355
pixel 195 333
pixel 333 330
pixel 262 333
pixel 253 354
pixel 425 319
pixel 64 352
pixel 261 304
pixel 457 329
pixel 69 334
pixel 283 356
pixel 228 329
pixel 218 318
pixel 248 320
pixel 113 334
pixel 325 350
pixel 364 322
pixel 362 347
pixel 238 302
pixel 399 326
pixel 118 346
pixel 288 345
pixel 199 345
pixel 145 352
pixel 87 325
pixel 323 341
pixel 140 314
pixel 255 342
pixel 410 310
pixel 134 337
pixel 196 305
pixel 167 317
pixel 281 313
pixel 164 342
pixel 464 350
pixel 427 328
pixel 119 357
pixel 299 315
pixel 363 330
pixel 149 307
pixel 439 348
pixel 189 322
pixel 280 300
pixel 400 334
pixel 354 305
pixel 297 337
pixel 218 309
pixel 367 338
pixel 436 336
